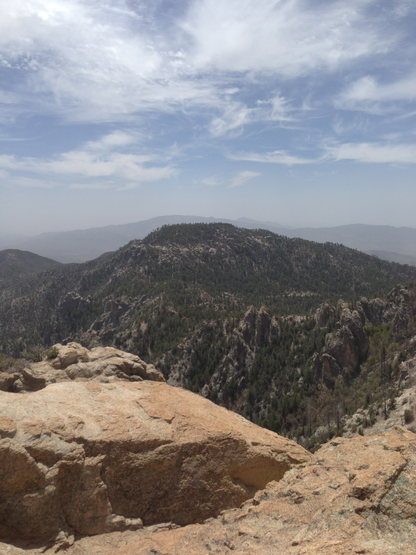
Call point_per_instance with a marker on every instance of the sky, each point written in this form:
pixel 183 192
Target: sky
pixel 301 112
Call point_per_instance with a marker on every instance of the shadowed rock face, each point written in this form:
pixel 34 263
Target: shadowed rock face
pixel 355 496
pixel 348 345
pixel 83 458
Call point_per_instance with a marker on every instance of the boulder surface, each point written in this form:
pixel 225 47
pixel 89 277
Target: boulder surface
pixel 83 457
pixel 356 495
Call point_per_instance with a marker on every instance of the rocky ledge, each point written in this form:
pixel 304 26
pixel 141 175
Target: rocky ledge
pixel 354 496
pixel 97 463
pixel 62 363
pixel 80 457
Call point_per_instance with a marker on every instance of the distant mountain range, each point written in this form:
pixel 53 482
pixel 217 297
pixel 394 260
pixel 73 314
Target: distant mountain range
pixel 395 244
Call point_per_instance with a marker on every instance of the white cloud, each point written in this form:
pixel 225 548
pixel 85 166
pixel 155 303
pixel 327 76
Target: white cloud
pixel 274 157
pixel 406 115
pixel 290 37
pixel 280 110
pixel 91 60
pixel 114 139
pixel 242 178
pixel 108 60
pixel 235 115
pixel 89 164
pixel 212 181
pixel 374 153
pixel 6 97
pixel 97 160
pixel 237 180
pixel 7 161
pixel 368 94
pixel 343 125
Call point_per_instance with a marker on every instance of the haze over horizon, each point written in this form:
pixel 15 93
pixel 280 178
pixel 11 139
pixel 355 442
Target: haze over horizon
pixel 298 112
pixel 239 220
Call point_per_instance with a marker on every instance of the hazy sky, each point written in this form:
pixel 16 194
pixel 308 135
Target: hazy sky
pixel 296 111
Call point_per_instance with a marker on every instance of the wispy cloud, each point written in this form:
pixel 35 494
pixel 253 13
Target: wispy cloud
pixel 112 140
pixel 99 159
pixel 242 178
pixel 273 157
pixel 103 61
pixel 237 180
pixel 235 115
pixel 93 61
pixel 212 181
pixel 266 35
pixel 374 153
pixel 367 94
pixel 233 118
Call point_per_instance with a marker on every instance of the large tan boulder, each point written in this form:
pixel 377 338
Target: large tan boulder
pixel 356 495
pixel 82 458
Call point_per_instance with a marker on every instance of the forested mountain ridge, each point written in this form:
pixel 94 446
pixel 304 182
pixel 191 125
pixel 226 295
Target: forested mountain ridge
pixel 16 264
pixel 180 276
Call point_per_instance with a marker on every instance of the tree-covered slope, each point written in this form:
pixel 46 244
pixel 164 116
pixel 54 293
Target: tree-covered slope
pixel 16 264
pixel 303 375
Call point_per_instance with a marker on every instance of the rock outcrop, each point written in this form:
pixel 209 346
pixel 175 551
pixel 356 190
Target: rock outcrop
pixel 236 347
pixel 73 362
pixel 355 496
pixel 396 411
pixel 348 345
pixel 85 457
pixel 398 309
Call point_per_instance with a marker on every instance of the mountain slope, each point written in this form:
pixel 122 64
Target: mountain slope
pixel 15 264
